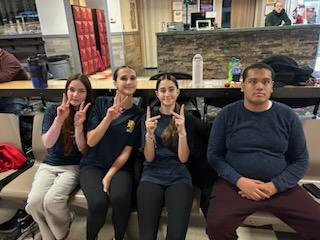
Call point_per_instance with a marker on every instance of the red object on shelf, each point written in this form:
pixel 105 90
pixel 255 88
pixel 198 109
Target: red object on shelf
pixel 86 39
pixel 101 35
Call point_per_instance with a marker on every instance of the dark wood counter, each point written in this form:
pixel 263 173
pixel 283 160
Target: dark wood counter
pixel 213 90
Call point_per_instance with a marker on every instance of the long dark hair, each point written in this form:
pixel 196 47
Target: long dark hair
pixel 68 124
pixel 115 74
pixel 169 135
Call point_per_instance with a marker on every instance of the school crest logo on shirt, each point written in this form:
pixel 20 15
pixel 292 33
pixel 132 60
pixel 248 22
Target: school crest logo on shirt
pixel 130 126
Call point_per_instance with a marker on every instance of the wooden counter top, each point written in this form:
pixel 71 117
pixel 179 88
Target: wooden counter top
pixel 211 89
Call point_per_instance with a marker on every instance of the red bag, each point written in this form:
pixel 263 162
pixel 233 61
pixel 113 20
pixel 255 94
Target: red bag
pixel 11 158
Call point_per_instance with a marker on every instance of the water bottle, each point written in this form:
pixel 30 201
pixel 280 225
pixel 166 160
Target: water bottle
pixel 197 70
pixel 236 70
pixel 37 66
pixel 230 67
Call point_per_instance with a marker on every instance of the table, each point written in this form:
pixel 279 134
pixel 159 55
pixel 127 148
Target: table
pixel 214 90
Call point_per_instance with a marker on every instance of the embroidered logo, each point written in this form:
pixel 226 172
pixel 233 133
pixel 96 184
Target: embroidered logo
pixel 130 126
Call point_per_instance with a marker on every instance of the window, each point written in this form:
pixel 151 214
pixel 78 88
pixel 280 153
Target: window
pixel 226 14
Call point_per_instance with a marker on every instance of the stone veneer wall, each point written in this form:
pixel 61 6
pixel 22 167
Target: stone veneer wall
pixel 59 45
pixel 117 49
pixel 176 49
pixel 132 49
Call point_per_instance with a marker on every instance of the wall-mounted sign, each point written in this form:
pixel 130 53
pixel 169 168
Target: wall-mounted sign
pixel 270 1
pixel 206 6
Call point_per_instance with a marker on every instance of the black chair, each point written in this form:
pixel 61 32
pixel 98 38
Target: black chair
pixel 190 103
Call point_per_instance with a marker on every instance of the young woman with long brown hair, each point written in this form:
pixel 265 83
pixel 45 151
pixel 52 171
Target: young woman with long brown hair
pixel 106 178
pixel 166 180
pixel 58 175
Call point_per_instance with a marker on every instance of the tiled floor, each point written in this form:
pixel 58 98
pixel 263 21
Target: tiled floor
pixel 194 233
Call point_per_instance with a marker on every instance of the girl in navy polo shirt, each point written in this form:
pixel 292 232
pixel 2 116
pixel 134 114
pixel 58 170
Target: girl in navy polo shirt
pixel 166 180
pixel 58 175
pixel 105 176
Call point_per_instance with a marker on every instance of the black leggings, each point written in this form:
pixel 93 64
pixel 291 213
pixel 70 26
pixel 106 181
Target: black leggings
pixel 151 199
pixel 98 201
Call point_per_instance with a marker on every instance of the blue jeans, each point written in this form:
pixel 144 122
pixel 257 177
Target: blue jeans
pixel 12 104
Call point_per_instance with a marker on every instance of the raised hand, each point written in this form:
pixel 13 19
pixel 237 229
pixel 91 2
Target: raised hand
pixel 64 109
pixel 115 110
pixel 80 115
pixel 151 122
pixel 179 120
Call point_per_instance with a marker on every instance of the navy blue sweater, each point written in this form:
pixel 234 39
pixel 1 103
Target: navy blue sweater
pixel 268 146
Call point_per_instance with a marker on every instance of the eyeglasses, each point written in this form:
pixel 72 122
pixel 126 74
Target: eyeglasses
pixel 254 82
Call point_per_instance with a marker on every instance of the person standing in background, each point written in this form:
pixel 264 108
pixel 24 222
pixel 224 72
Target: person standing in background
pixel 278 16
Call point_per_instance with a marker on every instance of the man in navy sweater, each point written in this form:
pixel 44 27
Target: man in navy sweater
pixel 259 151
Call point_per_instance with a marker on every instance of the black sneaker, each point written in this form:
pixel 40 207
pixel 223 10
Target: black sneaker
pixel 12 223
pixel 23 229
pixel 22 215
pixel 27 224
pixel 18 227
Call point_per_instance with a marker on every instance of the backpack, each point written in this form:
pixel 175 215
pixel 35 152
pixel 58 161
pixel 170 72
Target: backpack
pixel 11 158
pixel 287 71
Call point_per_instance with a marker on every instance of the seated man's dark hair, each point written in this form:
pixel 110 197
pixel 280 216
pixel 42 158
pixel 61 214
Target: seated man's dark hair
pixel 258 65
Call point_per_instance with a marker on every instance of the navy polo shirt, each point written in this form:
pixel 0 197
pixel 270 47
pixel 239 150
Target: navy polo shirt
pixel 123 131
pixel 55 155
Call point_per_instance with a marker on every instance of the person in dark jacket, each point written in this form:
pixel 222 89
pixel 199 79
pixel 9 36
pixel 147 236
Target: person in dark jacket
pixel 278 16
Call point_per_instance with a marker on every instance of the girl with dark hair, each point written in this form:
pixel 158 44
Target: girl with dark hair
pixel 166 180
pixel 106 177
pixel 58 175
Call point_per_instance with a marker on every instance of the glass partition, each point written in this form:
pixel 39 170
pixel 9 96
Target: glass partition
pixel 18 17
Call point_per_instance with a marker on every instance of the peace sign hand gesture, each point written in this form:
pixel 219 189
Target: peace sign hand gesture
pixel 179 120
pixel 115 110
pixel 151 122
pixel 80 115
pixel 64 109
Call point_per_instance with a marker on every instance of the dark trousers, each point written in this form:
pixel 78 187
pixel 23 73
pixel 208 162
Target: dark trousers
pixel 178 201
pixel 205 199
pixel 228 209
pixel 98 200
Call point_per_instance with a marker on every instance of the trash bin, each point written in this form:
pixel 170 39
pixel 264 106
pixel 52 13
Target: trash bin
pixel 59 66
pixel 37 67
